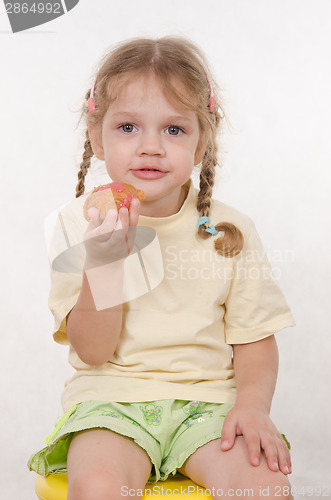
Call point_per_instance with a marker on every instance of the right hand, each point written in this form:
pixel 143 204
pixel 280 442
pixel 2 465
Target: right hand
pixel 111 240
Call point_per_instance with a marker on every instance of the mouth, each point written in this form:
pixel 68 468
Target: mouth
pixel 149 169
pixel 149 172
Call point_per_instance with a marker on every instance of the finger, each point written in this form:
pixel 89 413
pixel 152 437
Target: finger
pixel 134 212
pixel 123 218
pixel 123 225
pixel 94 215
pixel 289 460
pixel 287 447
pixel 271 452
pixel 228 434
pixel 105 230
pixel 253 443
pixel 284 457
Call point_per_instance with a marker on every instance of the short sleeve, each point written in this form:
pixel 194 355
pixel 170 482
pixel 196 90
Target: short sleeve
pixel 64 234
pixel 255 306
pixel 64 292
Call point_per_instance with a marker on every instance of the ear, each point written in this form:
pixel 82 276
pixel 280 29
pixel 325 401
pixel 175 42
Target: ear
pixel 201 149
pixel 95 134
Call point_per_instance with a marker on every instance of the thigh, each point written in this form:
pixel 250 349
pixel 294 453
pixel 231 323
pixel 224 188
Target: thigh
pixel 211 467
pixel 104 462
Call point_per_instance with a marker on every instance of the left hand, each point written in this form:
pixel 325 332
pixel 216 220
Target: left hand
pixel 259 433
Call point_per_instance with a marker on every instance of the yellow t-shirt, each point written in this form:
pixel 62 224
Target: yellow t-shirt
pixel 176 340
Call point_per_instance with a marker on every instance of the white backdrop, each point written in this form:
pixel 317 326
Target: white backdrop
pixel 272 59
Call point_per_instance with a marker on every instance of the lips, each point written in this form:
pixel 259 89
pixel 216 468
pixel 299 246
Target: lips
pixel 149 172
pixel 150 168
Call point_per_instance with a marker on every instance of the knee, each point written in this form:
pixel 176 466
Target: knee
pixel 96 484
pixel 277 487
pixel 274 486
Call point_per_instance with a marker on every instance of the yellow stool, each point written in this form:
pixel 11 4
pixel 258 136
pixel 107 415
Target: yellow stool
pixel 55 487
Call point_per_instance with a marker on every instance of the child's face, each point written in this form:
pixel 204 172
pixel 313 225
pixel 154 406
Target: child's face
pixel 143 130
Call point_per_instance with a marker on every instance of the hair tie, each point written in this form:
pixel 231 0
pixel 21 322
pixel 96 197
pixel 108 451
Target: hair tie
pixel 210 229
pixel 90 103
pixel 213 104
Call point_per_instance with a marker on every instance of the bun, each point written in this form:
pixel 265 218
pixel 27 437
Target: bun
pixel 113 195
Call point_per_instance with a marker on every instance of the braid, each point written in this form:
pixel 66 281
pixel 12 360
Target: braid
pixel 207 180
pixel 87 155
pixel 232 242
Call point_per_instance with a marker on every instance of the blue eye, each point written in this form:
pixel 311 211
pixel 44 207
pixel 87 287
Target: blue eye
pixel 172 130
pixel 127 128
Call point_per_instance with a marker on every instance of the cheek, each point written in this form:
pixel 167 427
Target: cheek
pixel 117 158
pixel 185 151
pixel 114 150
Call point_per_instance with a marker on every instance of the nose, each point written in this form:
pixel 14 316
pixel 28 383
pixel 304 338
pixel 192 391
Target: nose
pixel 150 144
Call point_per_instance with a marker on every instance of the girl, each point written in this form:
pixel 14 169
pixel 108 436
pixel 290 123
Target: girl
pixel 179 377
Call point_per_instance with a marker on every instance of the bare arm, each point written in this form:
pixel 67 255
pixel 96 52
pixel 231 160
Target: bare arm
pixel 94 334
pixel 256 368
pixel 94 324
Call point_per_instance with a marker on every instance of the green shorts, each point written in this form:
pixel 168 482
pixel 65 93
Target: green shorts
pixel 168 430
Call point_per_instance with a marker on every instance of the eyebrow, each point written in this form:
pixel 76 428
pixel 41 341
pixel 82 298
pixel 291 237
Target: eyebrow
pixel 169 119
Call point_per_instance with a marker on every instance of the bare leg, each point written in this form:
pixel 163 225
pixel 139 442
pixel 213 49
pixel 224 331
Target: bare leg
pixel 100 463
pixel 231 470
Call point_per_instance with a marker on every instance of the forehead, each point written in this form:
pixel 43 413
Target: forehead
pixel 138 89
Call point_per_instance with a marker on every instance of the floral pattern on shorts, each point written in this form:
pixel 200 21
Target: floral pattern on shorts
pixel 152 414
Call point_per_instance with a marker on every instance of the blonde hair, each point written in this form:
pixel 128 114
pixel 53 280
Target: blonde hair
pixel 169 59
